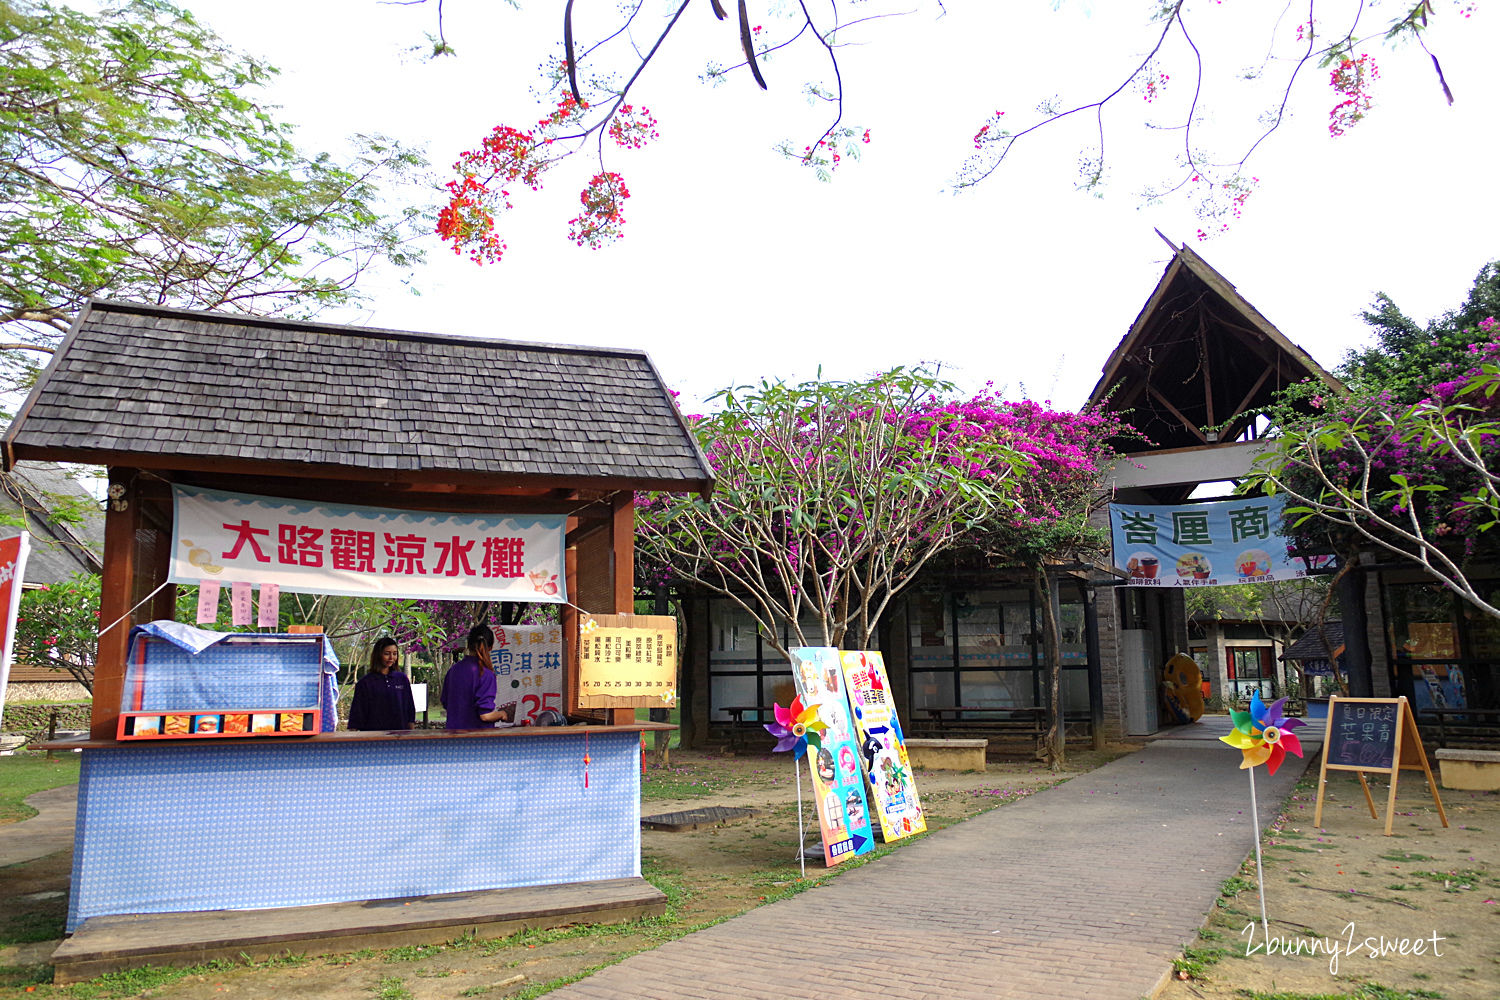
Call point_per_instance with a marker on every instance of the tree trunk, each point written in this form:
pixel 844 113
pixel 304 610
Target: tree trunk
pixel 1052 658
pixel 1357 657
pixel 661 741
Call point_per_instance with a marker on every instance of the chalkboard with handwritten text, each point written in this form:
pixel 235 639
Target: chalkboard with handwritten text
pixel 1362 734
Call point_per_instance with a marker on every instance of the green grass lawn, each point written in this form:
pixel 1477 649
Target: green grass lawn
pixel 23 774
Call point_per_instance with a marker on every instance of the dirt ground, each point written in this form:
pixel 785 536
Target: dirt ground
pixel 709 874
pixel 1422 881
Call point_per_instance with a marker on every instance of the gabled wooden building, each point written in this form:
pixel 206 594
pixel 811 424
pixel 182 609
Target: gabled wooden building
pixel 401 428
pixel 1197 356
pixel 1194 375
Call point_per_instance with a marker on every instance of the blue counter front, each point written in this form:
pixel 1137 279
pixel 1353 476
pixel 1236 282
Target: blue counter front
pixel 341 817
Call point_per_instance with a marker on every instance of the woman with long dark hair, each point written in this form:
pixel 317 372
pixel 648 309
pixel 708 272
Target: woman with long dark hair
pixel 469 686
pixel 382 698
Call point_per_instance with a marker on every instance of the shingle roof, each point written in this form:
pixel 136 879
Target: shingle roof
pixel 66 522
pixel 1310 646
pixel 197 387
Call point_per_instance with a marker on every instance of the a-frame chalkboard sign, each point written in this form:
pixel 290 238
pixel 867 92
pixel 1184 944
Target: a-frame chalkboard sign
pixel 1374 736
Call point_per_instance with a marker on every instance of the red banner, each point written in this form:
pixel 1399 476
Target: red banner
pixel 13 552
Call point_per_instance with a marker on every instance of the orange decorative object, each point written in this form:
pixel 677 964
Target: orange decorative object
pixel 291 722
pixel 179 725
pixel 1182 688
pixel 236 723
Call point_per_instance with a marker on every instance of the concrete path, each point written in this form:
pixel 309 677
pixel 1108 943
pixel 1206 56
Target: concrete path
pixel 1085 890
pixel 49 831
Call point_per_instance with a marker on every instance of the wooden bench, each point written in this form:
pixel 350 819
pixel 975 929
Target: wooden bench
pixel 947 755
pixel 1025 724
pixel 739 726
pixel 1470 770
pixel 1461 728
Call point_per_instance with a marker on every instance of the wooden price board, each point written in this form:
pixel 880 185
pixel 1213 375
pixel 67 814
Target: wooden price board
pixel 1373 736
pixel 627 661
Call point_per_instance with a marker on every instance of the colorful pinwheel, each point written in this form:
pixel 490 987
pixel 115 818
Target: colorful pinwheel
pixel 795 727
pixel 1263 734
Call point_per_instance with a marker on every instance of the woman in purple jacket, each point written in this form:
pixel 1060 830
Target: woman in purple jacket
pixel 469 686
pixel 382 698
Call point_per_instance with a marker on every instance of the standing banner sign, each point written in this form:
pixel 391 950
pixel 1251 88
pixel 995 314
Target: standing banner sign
pixel 528 670
pixel 1373 735
pixel 1203 544
pixel 838 786
pixel 884 745
pixel 13 553
pixel 323 548
pixel 627 661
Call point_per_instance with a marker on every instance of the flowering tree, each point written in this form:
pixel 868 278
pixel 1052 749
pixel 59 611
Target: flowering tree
pixel 57 626
pixel 137 163
pixel 1053 503
pixel 831 497
pixel 591 92
pixel 1406 354
pixel 1414 480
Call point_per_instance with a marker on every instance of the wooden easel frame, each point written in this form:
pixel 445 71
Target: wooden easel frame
pixel 1407 754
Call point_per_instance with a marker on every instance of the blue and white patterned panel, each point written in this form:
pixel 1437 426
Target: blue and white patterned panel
pixel 245 826
pixel 230 674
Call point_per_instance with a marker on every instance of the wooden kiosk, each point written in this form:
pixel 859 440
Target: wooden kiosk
pixel 340 415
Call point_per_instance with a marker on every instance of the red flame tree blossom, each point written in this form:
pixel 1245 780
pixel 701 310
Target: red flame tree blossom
pixel 509 156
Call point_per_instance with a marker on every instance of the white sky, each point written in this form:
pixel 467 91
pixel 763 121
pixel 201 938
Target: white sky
pixel 738 264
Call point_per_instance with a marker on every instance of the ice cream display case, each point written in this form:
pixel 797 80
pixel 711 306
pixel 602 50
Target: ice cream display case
pixel 189 683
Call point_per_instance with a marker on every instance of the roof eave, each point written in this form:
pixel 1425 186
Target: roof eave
pixel 349 473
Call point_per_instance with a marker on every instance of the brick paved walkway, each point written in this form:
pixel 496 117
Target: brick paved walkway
pixel 1085 890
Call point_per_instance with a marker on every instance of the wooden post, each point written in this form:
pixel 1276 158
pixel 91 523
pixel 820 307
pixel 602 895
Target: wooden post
pixel 163 607
pixel 117 590
pixel 622 569
pixel 569 617
pixel 1096 667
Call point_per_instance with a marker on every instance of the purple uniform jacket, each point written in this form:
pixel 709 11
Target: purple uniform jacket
pixel 382 701
pixel 468 693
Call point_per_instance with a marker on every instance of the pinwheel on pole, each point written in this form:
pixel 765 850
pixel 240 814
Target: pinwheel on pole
pixel 1264 736
pixel 796 727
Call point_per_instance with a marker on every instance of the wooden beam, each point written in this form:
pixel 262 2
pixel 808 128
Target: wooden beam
pixel 1178 414
pixel 1240 409
pixel 1208 380
pixel 121 520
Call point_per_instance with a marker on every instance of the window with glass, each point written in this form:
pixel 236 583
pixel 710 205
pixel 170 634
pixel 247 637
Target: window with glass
pixel 1446 653
pixel 744 672
pixel 983 649
pixel 1250 671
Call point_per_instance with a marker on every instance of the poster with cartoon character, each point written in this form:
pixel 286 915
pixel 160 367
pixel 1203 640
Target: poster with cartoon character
pixel 883 746
pixel 838 785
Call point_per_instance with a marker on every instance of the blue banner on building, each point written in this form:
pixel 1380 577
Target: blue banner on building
pixel 1203 544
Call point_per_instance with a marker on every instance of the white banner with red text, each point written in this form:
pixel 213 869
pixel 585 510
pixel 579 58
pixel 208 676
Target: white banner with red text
pixel 528 670
pixel 321 548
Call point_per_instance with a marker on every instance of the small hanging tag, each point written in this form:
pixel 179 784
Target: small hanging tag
pixel 208 602
pixel 241 604
pixel 270 605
